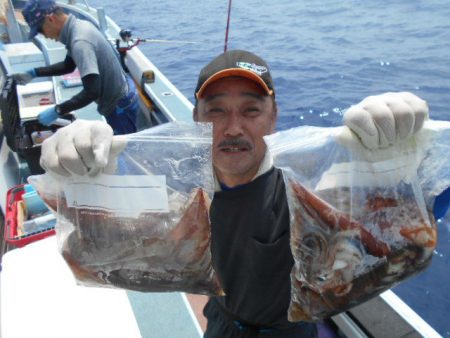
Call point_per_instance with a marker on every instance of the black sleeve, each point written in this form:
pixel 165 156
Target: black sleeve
pixel 60 68
pixel 90 92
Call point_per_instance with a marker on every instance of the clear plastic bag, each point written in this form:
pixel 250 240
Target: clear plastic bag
pixel 361 220
pixel 146 226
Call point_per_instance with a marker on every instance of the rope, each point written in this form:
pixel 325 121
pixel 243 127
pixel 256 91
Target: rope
pixel 228 26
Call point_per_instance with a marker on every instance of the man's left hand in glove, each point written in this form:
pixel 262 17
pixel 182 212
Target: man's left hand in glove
pixel 382 120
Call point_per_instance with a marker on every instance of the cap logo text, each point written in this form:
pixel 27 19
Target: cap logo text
pixel 252 67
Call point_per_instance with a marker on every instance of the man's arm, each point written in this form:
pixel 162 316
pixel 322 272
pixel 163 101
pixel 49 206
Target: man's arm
pixel 60 68
pixel 90 92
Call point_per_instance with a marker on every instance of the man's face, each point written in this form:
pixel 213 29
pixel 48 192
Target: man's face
pixel 241 113
pixel 50 28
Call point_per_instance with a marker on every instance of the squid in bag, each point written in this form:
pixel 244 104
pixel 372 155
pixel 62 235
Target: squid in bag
pixel 361 221
pixel 145 225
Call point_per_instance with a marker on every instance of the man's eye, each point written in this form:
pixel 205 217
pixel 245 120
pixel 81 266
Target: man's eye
pixel 252 111
pixel 214 111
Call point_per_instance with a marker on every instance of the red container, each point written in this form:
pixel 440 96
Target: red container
pixel 13 196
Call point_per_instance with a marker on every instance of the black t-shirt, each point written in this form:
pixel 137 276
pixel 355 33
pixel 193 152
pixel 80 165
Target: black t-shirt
pixel 251 252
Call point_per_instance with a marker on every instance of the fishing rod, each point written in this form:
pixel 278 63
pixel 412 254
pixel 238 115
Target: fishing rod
pixel 126 42
pixel 228 26
pixel 166 41
pixel 127 36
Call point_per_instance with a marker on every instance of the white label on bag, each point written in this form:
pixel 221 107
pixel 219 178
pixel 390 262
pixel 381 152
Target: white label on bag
pixel 368 174
pixel 128 194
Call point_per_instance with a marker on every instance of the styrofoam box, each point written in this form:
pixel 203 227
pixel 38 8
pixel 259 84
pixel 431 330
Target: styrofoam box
pixel 34 98
pixel 23 56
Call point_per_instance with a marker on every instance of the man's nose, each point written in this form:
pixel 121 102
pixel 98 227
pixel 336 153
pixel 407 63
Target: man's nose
pixel 234 125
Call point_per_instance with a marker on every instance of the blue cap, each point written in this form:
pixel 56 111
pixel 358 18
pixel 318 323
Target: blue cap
pixel 35 12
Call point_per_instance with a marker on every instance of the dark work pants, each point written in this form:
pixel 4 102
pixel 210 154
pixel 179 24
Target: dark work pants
pixel 123 120
pixel 219 326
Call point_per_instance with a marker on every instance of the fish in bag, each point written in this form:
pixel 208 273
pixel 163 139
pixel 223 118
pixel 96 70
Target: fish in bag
pixel 144 226
pixel 361 220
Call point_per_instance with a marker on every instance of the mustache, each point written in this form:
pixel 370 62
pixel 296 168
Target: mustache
pixel 235 143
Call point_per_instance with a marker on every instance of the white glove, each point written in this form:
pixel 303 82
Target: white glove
pixel 83 147
pixel 379 121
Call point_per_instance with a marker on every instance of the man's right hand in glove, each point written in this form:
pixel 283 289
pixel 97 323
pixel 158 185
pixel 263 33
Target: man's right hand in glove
pixel 24 78
pixel 83 147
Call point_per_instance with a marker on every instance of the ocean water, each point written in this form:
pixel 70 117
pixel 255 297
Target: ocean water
pixel 324 56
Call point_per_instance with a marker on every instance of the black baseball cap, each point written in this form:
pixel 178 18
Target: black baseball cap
pixel 235 63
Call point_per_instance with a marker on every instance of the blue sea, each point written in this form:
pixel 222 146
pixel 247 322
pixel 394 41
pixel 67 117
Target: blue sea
pixel 324 56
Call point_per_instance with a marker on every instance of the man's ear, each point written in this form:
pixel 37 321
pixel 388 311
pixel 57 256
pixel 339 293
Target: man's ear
pixel 51 17
pixel 275 115
pixel 195 114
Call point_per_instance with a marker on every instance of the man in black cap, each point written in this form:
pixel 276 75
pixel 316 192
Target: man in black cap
pixel 249 212
pixel 103 78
